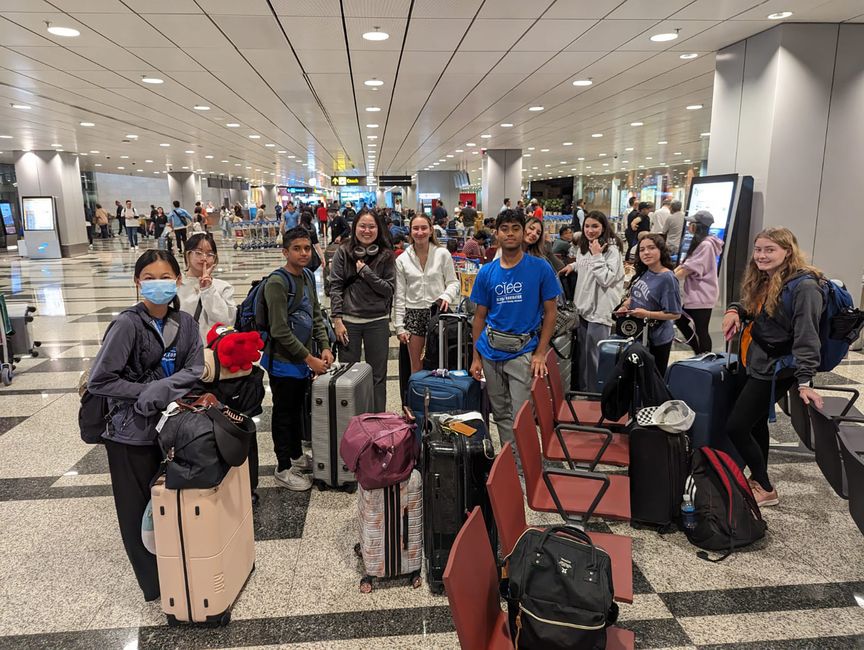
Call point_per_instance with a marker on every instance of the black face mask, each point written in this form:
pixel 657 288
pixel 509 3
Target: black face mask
pixel 364 252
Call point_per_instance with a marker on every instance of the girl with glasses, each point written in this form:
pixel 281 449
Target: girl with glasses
pixel 209 300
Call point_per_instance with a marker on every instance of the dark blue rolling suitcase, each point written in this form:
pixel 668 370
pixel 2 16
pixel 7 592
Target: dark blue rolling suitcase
pixel 709 384
pixel 608 356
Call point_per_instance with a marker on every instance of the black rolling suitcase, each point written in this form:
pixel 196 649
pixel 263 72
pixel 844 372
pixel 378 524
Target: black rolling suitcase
pixel 659 465
pixel 449 339
pixel 455 469
pixel 404 371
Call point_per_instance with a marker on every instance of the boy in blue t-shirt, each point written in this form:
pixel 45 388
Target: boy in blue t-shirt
pixel 514 321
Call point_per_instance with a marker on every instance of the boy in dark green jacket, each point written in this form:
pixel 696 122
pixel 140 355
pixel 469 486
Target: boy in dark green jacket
pixel 298 351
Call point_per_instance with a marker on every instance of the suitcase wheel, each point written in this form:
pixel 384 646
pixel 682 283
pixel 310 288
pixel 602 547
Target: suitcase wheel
pixel 322 486
pixel 224 619
pixel 366 585
pixel 357 551
pixel 350 488
pixel 414 580
pixel 436 589
pixel 172 620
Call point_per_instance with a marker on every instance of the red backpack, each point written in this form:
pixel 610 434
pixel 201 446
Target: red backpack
pixel 727 515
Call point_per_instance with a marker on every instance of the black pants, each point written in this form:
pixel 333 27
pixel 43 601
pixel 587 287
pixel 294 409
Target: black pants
pixel 105 233
pixel 661 355
pixel 132 468
pixel 120 224
pixel 180 234
pixel 700 341
pixel 747 426
pixel 373 339
pixel 253 463
pixel 287 425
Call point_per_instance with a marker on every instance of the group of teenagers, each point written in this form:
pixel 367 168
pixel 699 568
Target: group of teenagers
pixel 153 352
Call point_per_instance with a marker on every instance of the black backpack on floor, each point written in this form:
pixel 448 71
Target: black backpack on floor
pixel 727 515
pixel 560 593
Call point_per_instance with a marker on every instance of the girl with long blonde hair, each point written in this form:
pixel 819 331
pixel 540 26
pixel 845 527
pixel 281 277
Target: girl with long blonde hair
pixel 772 333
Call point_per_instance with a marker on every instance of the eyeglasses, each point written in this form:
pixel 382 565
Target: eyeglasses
pixel 367 228
pixel 209 256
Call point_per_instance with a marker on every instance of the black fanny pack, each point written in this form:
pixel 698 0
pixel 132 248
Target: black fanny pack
pixel 506 341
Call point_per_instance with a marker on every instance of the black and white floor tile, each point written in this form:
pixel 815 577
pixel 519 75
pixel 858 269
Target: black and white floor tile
pixel 65 581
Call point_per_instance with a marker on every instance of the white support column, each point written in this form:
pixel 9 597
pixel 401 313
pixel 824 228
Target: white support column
pixel 182 187
pixel 502 178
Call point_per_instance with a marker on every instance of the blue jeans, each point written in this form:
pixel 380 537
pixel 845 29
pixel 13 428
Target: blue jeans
pixel 132 234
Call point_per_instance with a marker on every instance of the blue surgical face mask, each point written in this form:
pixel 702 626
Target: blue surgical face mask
pixel 159 292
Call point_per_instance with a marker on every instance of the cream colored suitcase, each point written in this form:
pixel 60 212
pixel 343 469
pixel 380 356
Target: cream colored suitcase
pixel 205 547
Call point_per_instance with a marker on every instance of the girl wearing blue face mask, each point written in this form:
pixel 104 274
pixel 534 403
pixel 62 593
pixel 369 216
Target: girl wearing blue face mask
pixel 151 355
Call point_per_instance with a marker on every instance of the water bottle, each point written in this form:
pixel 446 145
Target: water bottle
pixel 688 513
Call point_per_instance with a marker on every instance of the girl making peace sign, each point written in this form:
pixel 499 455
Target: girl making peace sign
pixel 209 300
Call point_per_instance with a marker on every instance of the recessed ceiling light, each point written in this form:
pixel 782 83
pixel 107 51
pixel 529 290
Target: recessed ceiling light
pixel 372 109
pixel 780 15
pixel 662 142
pixel 164 144
pixel 270 145
pixel 255 136
pixel 152 80
pixel 637 123
pixel 67 32
pixel 601 154
pixel 282 151
pixel 125 157
pixel 373 82
pixel 547 165
pixel 6 137
pixel 687 160
pixel 224 161
pixel 121 168
pixel 232 125
pixel 694 107
pixel 474 153
pixel 86 124
pixel 371 144
pixel 689 55
pixel 566 144
pixel 97 165
pixel 544 150
pixel 372 137
pixel 662 38
pixel 148 161
pixel 582 82
pixel 376 35
pixel 506 125
pixel 649 158
pixel 459 150
pixel 605 164
pixel 536 108
pixel 526 155
pixel 201 107
pixel 580 158
pixel 23 107
pixel 596 135
pixel 562 162
pixel 625 161
pixel 486 136
pixel 628 148
pixel 237 164
pixel 209 157
pixel 470 144
pixel 676 153
pixel 290 156
pixel 705 135
pixel 56 145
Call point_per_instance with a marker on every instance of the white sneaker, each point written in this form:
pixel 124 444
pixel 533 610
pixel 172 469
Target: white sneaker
pixel 293 479
pixel 304 463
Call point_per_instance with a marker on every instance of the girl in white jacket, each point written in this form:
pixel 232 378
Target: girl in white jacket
pixel 425 275
pixel 209 300
pixel 599 288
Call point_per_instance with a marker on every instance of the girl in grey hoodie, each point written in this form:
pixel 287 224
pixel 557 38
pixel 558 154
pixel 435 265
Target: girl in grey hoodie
pixel 599 288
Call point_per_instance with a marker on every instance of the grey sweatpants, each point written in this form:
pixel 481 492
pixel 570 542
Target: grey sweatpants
pixel 508 384
pixel 588 335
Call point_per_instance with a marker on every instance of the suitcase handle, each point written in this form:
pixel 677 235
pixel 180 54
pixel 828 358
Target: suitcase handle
pixel 405 529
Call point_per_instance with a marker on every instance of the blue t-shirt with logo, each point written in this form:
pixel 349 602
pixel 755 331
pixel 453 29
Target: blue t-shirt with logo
pixel 514 298
pixel 657 292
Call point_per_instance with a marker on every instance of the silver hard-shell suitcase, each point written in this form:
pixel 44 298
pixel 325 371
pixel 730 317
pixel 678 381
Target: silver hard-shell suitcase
pixel 391 531
pixel 337 396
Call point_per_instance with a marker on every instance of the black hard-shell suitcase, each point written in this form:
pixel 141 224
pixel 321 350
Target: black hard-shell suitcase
pixel 455 469
pixel 659 465
pixel 404 371
pixel 449 340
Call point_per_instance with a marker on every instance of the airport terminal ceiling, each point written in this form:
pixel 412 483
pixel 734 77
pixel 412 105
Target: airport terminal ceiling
pixel 287 90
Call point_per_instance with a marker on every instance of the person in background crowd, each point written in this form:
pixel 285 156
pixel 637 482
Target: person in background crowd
pixel 699 274
pixel 142 227
pixel 362 282
pixel 673 229
pixel 599 269
pixel 198 223
pixel 159 222
pixel 290 217
pixel 439 214
pixel 349 214
pixel 261 213
pixel 129 215
pixel 536 210
pixel 515 297
pixel 561 246
pixel 772 332
pixel 475 245
pixel 504 206
pixel 119 216
pixel 469 218
pixel 638 221
pixel 179 220
pixel 321 213
pixel 102 220
pixel 207 299
pixel 278 210
pixel 578 215
pixel 151 356
pixel 89 218
pixel 293 354
pixel 306 219
pixel 536 245
pixel 655 296
pixel 425 277
pixel 658 220
pixel 238 211
pixel 453 249
pixel 399 244
pixel 520 207
pixel 151 225
pixel 339 227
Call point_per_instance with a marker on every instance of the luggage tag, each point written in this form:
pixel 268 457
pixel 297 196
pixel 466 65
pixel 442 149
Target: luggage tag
pixel 459 373
pixel 170 410
pixel 462 428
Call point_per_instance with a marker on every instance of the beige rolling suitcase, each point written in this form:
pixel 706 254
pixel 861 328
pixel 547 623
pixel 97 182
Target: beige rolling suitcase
pixel 205 547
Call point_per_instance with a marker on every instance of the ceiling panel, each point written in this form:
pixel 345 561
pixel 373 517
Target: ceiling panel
pixel 435 35
pixel 715 9
pixel 251 32
pixel 608 35
pixel 651 9
pixel 514 8
pixel 163 6
pixel 177 28
pixel 523 62
pixel 168 59
pixel 446 8
pixel 555 35
pixel 581 10
pixel 722 35
pixel 129 29
pixel 494 35
pixel 234 8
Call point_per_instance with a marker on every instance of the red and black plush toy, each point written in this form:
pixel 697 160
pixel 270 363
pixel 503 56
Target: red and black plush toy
pixel 233 353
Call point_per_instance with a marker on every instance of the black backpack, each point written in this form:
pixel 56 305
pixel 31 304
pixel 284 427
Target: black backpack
pixel 727 515
pixel 560 593
pixel 636 383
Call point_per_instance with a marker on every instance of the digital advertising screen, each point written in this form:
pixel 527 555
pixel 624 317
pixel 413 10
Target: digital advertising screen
pixel 8 218
pixel 38 212
pixel 716 194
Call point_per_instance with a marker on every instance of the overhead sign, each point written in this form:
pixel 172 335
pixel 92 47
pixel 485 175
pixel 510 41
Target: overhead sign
pixel 343 181
pixel 297 189
pixel 397 181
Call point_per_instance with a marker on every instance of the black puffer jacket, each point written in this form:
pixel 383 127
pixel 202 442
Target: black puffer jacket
pixel 367 294
pixel 127 370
